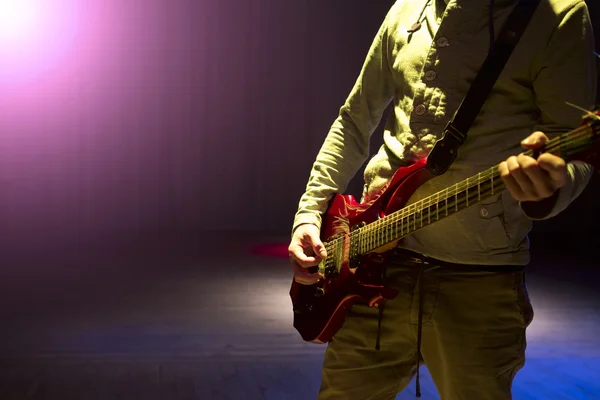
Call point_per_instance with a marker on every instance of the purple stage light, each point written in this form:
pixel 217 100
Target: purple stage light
pixel 35 36
pixel 18 20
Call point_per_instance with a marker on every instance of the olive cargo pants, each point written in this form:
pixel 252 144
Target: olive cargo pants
pixel 472 340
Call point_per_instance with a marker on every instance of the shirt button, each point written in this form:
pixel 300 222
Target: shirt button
pixel 420 109
pixel 484 212
pixel 430 75
pixel 442 42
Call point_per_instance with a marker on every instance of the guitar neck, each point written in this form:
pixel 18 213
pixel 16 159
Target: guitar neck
pixel 429 210
pixel 458 197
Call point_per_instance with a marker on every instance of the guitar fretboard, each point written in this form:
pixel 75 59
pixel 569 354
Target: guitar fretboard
pixel 429 210
pixel 449 201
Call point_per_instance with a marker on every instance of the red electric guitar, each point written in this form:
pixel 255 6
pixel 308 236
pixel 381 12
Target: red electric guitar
pixel 359 236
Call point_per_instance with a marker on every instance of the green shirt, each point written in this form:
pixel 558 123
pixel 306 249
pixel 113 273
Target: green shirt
pixel 426 75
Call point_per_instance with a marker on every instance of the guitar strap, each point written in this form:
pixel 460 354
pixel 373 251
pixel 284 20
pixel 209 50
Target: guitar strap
pixel 445 150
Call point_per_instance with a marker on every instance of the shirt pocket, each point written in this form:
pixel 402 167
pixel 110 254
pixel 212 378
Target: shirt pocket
pixel 491 213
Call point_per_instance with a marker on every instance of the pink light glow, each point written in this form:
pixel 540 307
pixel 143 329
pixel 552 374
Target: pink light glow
pixel 18 19
pixel 34 35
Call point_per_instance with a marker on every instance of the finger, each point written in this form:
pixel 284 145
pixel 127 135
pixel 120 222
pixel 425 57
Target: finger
pixel 535 140
pixel 515 167
pixel 307 279
pixel 317 246
pixel 297 253
pixel 542 185
pixel 301 275
pixel 556 168
pixel 510 182
pixel 512 185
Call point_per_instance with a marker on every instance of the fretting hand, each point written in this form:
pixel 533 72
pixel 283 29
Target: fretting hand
pixel 528 179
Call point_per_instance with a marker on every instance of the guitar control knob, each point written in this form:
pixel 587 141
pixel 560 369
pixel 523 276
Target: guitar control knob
pixel 319 292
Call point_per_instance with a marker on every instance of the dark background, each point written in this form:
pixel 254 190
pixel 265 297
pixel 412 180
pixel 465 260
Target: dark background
pixel 187 116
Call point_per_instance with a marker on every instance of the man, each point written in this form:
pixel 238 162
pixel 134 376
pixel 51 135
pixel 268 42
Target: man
pixel 463 307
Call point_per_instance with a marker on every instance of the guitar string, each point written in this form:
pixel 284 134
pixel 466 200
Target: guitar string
pixel 412 210
pixel 580 133
pixel 454 190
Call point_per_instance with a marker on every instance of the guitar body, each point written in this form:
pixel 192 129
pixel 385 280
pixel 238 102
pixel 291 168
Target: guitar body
pixel 320 309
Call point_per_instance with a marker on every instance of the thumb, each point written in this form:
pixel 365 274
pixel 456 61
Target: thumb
pixel 317 246
pixel 535 140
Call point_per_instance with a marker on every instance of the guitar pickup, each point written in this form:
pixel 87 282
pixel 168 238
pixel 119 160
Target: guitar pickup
pixel 331 272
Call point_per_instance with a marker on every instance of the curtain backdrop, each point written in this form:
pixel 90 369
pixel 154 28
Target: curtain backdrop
pixel 179 115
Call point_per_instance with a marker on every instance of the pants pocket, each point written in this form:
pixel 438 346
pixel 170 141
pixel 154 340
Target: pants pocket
pixel 523 301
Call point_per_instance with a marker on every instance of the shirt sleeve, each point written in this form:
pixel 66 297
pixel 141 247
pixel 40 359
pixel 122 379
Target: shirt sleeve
pixel 346 146
pixel 567 73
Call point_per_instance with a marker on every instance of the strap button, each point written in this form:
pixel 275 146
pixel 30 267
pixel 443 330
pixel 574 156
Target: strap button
pixel 430 75
pixel 442 42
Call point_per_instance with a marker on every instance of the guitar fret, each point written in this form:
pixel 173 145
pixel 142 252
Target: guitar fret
pixel 400 221
pixel 336 253
pixel 479 186
pixel 492 181
pixel 388 232
pixel 428 212
pixel 456 197
pixel 363 238
pixel 415 216
pixel 446 198
pixel 361 241
pixel 467 192
pixel 376 234
pixel 373 236
pixel 385 234
pixel 371 239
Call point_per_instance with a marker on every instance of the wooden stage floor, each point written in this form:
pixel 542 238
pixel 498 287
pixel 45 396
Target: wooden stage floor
pixel 209 318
